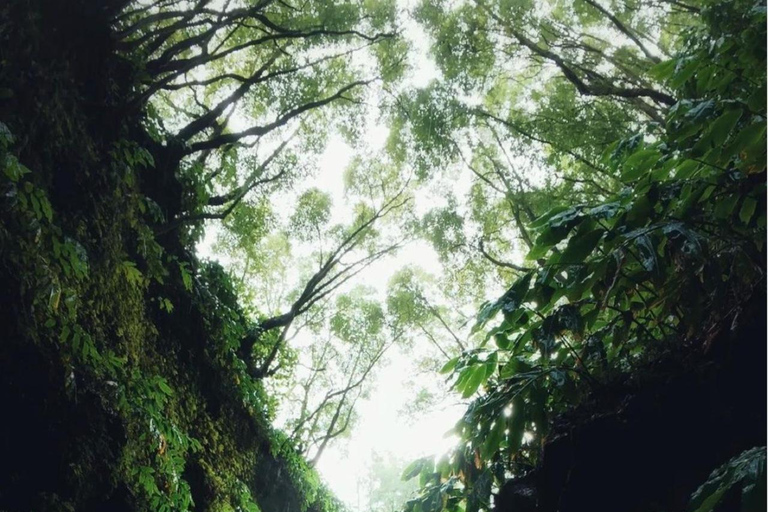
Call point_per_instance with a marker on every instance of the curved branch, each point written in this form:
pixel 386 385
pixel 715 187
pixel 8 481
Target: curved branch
pixel 505 264
pixel 604 88
pixel 623 29
pixel 320 285
pixel 229 138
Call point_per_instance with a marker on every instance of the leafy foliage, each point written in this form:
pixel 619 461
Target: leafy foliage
pixel 119 365
pixel 147 379
pixel 745 472
pixel 621 281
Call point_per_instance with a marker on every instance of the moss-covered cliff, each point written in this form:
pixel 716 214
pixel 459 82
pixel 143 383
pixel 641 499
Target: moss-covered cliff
pixel 119 383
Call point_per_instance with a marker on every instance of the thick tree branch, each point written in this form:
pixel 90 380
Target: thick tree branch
pixel 505 264
pixel 603 88
pixel 321 284
pixel 233 197
pixel 623 29
pixel 254 180
pixel 230 138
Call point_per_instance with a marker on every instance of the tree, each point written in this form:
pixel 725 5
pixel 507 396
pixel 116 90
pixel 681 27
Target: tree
pixel 619 280
pixel 412 310
pixel 528 102
pixel 235 93
pixel 337 372
pixel 204 114
pixel 318 337
pixel 232 87
pixel 354 250
pixel 385 490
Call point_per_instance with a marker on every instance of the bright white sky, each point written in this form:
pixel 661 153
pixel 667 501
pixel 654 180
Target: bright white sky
pixel 382 427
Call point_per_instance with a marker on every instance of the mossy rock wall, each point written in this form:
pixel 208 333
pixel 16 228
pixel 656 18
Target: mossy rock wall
pixel 119 382
pixel 648 443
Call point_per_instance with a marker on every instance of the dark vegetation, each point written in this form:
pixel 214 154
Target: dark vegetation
pixel 629 362
pixel 111 399
pixel 625 369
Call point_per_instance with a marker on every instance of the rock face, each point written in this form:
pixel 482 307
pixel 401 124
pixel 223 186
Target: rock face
pixel 108 402
pixel 651 446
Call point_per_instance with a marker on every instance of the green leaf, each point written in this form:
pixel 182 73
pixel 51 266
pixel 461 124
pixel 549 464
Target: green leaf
pixel 580 246
pixel 487 311
pixel 756 101
pixel 721 128
pixel 569 318
pixel 476 378
pixel 415 468
pixel 639 164
pixel 45 206
pixel 663 70
pixel 449 366
pixel 54 297
pixel 494 438
pixel 725 205
pixel 750 141
pixel 686 169
pixel 688 240
pixel 490 366
pixel 36 205
pixel 516 294
pixel 647 254
pixel 186 277
pixel 605 211
pixel 516 424
pixel 164 387
pixel 640 212
pixel 701 111
pixel 537 252
pixel 683 71
pixel 551 236
pixel 746 470
pixel 65 331
pixel 6 137
pixel 566 218
pixel 166 305
pixel 545 218
pixel 748 208
pixel 502 341
pixel 132 274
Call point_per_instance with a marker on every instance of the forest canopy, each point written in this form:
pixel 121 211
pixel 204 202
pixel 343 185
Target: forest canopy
pixel 224 220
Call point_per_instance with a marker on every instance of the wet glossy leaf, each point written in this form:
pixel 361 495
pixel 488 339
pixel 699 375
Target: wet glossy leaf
pixel 580 246
pixel 721 128
pixel 725 205
pixel 647 254
pixel 748 208
pixel 639 164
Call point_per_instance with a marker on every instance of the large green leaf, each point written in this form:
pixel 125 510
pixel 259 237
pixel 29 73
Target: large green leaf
pixel 639 164
pixel 580 246
pixel 721 128
pixel 746 470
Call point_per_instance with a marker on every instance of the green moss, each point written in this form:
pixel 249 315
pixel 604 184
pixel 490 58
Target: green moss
pixel 119 363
